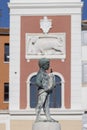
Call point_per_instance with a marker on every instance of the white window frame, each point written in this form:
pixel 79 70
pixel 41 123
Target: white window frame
pixel 53 110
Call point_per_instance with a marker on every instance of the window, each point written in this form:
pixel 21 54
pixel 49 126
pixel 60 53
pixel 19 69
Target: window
pixel 84 37
pixel 6 92
pixel 55 97
pixel 6 52
pixel 84 73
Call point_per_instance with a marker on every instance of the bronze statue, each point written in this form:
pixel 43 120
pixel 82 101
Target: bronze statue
pixel 45 83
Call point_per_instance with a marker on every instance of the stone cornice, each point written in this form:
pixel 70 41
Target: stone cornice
pixel 46 5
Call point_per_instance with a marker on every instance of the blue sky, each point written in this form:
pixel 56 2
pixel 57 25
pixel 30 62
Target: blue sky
pixel 4 13
pixel 84 10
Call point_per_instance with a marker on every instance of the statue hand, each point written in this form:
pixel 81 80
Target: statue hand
pixel 48 90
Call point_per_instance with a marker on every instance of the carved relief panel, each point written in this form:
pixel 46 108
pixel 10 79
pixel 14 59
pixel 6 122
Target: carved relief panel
pixel 50 45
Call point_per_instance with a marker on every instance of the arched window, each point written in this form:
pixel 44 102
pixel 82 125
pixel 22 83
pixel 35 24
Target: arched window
pixel 56 97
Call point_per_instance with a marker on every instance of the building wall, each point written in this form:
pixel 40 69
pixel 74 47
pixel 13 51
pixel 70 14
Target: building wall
pixel 4 67
pixel 65 125
pixel 4 121
pixel 84 61
pixel 76 70
pixel 31 25
pixel 2 127
pixel 24 18
pixel 15 123
pixel 67 18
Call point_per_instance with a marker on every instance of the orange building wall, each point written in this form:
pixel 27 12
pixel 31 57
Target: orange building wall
pixel 4 70
pixel 30 24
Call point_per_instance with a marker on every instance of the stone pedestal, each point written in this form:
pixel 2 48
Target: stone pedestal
pixel 46 126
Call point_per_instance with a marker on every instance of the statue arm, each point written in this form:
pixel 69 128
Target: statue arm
pixel 39 81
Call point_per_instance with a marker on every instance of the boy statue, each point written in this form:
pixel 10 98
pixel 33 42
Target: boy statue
pixel 45 83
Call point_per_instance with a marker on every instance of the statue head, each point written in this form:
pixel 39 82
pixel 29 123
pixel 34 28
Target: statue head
pixel 44 63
